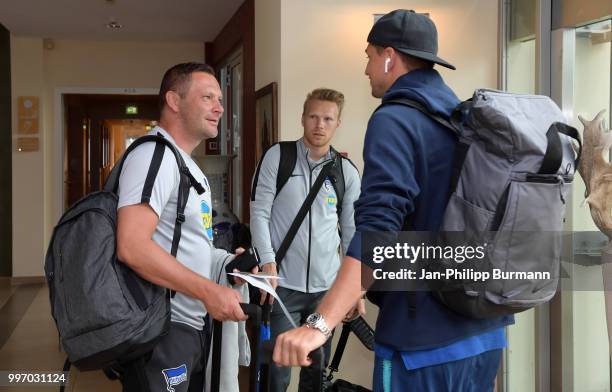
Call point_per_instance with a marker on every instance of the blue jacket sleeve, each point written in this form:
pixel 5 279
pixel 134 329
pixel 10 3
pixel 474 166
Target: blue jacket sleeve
pixel 388 187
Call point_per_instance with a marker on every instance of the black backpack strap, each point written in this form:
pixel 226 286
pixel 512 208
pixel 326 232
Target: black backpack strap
pixel 297 221
pixel 112 183
pixel 337 178
pixel 256 176
pixel 183 189
pixel 453 123
pixel 65 369
pixel 187 180
pixel 286 164
pixel 335 363
pixel 362 331
pixel 339 183
pixel 183 196
pixel 217 343
pixel 158 156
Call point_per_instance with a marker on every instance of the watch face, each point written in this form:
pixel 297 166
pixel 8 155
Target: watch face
pixel 313 318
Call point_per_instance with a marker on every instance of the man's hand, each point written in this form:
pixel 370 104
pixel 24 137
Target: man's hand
pixel 223 303
pixel 239 281
pixel 268 269
pixel 254 270
pixel 292 347
pixel 358 310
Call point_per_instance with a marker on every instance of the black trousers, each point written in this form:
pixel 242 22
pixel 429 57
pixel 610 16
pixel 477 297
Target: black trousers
pixel 178 363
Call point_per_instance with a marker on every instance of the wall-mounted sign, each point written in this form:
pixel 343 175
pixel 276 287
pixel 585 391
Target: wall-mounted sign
pixel 131 109
pixel 27 144
pixel 27 115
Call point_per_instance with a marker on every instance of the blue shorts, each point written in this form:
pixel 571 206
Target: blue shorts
pixel 472 374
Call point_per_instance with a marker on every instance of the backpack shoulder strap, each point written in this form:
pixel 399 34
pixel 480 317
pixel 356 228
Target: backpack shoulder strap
pixel 286 164
pixel 257 169
pixel 337 177
pixel 335 362
pixel 452 123
pixel 187 180
pixel 362 331
pixel 340 184
pixel 112 183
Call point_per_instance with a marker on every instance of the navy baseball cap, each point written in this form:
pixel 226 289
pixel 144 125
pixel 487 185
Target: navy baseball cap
pixel 410 33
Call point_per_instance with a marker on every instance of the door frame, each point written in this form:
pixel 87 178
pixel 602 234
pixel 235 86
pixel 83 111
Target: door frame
pixel 59 129
pixel 544 374
pixel 239 31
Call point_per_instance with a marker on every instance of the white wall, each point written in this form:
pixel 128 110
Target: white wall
pixel 28 167
pixel 41 72
pixel 267 46
pixel 323 43
pixel 267 42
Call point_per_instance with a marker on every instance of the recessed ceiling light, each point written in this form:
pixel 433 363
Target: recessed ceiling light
pixel 114 25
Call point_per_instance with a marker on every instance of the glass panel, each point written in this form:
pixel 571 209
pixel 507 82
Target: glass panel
pixel 236 201
pixel 520 58
pixel 591 94
pixel 520 47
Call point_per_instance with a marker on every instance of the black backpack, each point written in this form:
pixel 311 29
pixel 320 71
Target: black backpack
pixel 105 313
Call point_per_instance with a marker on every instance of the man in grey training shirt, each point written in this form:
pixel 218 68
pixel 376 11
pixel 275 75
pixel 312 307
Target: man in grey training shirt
pixel 191 107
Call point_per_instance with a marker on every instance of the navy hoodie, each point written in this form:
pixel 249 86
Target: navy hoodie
pixel 407 168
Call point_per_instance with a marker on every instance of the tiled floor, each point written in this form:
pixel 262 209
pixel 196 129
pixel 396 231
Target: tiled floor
pixel 29 340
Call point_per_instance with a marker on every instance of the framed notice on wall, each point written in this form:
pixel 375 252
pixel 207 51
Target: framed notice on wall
pixel 266 118
pixel 27 144
pixel 27 115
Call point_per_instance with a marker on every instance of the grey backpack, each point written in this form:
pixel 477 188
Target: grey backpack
pixel 514 164
pixel 105 313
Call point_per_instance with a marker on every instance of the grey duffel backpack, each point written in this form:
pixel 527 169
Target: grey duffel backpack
pixel 513 168
pixel 104 312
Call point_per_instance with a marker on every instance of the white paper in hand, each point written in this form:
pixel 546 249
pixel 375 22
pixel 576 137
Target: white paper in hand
pixel 261 282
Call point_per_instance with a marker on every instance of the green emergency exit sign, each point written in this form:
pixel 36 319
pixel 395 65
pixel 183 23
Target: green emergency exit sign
pixel 131 109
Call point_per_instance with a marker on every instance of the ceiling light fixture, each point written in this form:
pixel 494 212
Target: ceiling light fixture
pixel 113 24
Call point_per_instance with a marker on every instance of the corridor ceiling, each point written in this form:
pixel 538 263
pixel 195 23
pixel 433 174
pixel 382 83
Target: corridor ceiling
pixel 141 20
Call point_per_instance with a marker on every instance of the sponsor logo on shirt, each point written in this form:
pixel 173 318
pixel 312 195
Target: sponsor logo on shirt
pixel 206 214
pixel 327 184
pixel 175 376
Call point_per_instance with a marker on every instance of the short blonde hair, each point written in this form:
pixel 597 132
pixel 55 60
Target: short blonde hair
pixel 325 94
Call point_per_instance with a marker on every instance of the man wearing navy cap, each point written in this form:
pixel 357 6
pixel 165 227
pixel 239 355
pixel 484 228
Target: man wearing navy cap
pixel 420 344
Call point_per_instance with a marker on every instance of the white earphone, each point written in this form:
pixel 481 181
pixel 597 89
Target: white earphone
pixel 387 61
